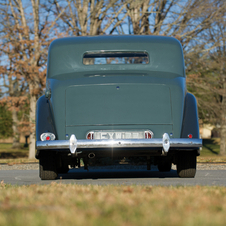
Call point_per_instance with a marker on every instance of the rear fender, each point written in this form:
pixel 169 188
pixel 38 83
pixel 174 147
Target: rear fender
pixel 190 120
pixel 44 119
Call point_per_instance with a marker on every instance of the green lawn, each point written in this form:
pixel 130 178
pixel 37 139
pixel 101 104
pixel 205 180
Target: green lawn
pixel 7 152
pixel 10 155
pixel 210 151
pixel 211 147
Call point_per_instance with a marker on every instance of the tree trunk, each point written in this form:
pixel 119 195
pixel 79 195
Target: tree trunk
pixel 223 122
pixel 16 135
pixel 33 100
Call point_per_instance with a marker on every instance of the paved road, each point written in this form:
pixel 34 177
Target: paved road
pixel 117 177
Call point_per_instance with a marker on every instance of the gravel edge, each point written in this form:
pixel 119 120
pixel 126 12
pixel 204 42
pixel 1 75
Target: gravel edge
pixel 35 166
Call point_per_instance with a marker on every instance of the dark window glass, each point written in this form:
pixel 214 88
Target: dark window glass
pixel 92 58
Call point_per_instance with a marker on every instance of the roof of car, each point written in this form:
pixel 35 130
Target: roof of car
pixel 66 54
pixel 114 39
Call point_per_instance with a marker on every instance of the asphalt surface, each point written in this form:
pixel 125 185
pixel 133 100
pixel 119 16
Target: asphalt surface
pixel 117 177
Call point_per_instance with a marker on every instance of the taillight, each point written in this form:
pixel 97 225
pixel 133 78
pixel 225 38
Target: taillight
pixel 47 136
pixel 190 136
pixel 89 136
pixel 148 135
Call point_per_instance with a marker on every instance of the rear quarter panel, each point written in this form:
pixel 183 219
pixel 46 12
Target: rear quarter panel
pixel 190 120
pixel 44 118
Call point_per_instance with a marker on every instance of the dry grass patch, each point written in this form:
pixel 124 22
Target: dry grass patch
pixel 217 159
pixel 61 204
pixel 18 161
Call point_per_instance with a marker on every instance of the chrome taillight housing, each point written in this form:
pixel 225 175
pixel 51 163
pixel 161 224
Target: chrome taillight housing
pixel 148 134
pixel 90 135
pixel 47 136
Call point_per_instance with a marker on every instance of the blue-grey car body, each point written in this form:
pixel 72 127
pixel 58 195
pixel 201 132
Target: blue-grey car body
pixel 117 97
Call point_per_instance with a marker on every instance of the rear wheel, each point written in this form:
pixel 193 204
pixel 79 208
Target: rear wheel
pixel 164 166
pixel 47 165
pixel 186 165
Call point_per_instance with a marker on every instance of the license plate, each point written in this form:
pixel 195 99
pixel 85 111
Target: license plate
pixel 119 134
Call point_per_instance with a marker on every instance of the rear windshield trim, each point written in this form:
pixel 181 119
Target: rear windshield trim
pixel 117 57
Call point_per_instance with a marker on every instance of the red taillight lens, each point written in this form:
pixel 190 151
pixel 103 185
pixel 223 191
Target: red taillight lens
pixel 47 136
pixel 89 136
pixel 190 136
pixel 148 135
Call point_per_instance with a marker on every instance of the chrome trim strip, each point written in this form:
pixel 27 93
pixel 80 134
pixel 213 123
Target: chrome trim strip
pixel 122 143
pixel 54 144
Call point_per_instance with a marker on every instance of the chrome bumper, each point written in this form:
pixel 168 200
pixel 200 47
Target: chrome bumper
pixel 165 143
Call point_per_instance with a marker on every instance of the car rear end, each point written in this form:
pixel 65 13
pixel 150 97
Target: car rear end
pixel 116 97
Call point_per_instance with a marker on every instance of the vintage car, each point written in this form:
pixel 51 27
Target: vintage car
pixel 116 97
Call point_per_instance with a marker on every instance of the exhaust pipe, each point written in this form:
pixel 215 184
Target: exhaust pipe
pixel 91 155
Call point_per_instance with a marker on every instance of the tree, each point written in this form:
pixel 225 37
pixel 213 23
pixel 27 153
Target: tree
pixel 27 35
pixel 206 67
pixel 138 15
pixel 88 17
pixel 218 34
pixel 5 122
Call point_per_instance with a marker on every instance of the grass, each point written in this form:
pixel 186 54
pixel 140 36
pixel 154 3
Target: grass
pixel 10 155
pixel 6 151
pixel 70 204
pixel 209 153
pixel 61 204
pixel 211 147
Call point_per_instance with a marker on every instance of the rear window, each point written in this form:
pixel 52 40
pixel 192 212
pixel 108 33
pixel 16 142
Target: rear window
pixel 117 57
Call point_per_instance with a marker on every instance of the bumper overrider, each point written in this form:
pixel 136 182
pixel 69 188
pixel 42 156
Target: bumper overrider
pixel 165 143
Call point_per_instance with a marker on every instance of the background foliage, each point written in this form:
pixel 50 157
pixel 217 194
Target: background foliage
pixel 28 27
pixel 5 122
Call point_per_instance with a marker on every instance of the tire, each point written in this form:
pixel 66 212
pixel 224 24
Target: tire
pixel 164 166
pixel 47 166
pixel 186 165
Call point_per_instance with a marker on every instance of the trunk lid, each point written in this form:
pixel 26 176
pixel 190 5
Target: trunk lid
pixel 118 104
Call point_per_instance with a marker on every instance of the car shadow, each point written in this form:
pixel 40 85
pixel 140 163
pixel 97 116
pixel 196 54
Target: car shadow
pixel 115 174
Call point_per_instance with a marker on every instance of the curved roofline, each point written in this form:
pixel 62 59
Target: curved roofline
pixel 111 38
